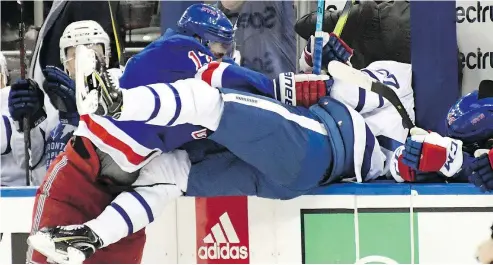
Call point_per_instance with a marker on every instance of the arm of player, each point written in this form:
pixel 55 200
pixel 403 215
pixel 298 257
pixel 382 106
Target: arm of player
pixel 38 145
pixel 289 88
pixel 393 74
pixel 221 74
pixel 6 135
pixel 427 152
pixel 161 181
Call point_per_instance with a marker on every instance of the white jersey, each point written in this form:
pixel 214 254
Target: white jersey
pixel 12 149
pixel 379 114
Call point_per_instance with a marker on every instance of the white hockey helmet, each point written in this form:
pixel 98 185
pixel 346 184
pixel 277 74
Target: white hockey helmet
pixel 4 71
pixel 84 32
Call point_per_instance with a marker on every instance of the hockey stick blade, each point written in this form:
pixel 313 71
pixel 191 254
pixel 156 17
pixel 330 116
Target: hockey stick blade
pixel 341 22
pixel 345 73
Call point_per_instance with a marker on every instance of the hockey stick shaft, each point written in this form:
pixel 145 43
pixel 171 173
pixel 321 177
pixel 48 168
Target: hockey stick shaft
pixel 341 22
pixel 25 120
pixel 120 49
pixel 319 39
pixel 318 42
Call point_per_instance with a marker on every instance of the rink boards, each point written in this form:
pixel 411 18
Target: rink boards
pixel 344 223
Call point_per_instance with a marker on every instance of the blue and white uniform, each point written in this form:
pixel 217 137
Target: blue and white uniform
pixel 255 145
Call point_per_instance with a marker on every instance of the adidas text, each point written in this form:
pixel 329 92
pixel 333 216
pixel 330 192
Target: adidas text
pixel 223 251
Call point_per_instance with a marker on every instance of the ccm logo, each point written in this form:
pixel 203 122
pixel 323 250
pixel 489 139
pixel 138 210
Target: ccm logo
pixel 451 156
pixel 200 134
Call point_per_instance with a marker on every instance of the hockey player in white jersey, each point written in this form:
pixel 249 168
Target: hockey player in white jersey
pixel 12 172
pixel 59 86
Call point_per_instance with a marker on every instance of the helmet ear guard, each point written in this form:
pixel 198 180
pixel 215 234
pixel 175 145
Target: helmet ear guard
pixel 485 89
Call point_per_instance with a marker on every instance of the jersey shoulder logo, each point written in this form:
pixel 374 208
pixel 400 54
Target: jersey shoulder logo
pixel 200 134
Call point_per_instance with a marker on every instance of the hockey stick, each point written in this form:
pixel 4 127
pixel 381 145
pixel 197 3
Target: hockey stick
pixel 120 49
pixel 348 74
pixel 318 45
pixel 25 120
pixel 319 38
pixel 341 22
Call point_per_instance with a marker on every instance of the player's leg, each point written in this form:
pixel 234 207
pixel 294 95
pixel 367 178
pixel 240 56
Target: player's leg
pixel 281 141
pixel 70 195
pixel 163 180
pixel 224 174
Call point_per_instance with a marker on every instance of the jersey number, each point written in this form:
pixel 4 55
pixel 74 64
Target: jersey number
pixel 389 79
pixel 199 59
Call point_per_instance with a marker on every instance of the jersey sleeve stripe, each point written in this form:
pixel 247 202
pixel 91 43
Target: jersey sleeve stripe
pixel 157 103
pixel 388 143
pixel 380 101
pixel 361 100
pixel 178 105
pixel 145 205
pixel 370 144
pixel 112 141
pixel 217 76
pixel 8 134
pixel 125 217
pixel 209 72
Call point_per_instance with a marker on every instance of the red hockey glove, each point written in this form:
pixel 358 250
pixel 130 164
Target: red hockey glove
pixel 302 89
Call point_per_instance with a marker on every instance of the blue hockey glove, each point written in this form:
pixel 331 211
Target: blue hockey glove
pixel 302 89
pixel 26 99
pixel 481 170
pixel 334 49
pixel 60 88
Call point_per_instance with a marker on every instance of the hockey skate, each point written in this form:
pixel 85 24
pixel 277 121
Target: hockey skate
pixel 65 244
pixel 97 88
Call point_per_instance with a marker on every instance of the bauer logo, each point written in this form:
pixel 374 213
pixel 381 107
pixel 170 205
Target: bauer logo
pixel 222 230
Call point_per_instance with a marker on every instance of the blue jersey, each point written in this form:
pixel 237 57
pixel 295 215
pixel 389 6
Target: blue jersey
pixel 171 58
pixel 56 142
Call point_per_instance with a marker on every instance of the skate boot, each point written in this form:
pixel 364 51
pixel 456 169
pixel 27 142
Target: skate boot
pixel 65 244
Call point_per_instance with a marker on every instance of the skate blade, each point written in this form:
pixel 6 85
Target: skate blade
pixel 43 243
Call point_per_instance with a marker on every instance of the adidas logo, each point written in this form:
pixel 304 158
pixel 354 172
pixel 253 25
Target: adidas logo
pixel 223 247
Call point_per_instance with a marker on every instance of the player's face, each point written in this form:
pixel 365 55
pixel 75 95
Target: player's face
pixel 219 50
pixel 70 63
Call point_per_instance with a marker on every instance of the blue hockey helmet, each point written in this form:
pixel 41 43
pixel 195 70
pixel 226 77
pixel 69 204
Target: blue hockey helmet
pixel 211 25
pixel 470 119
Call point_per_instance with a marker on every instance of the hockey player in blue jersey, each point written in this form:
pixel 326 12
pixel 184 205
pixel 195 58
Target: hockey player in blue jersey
pixel 462 155
pixel 465 154
pixel 307 148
